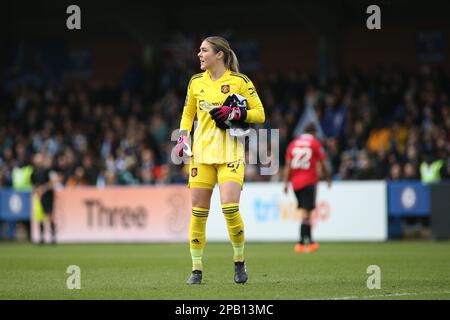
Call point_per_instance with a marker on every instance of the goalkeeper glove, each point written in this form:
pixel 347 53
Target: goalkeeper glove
pixel 226 113
pixel 182 148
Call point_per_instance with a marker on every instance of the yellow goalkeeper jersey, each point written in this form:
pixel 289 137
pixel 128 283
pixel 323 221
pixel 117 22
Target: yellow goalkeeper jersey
pixel 212 144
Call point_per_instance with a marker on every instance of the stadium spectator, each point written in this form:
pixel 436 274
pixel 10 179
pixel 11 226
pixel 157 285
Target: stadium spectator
pixel 333 122
pixel 147 167
pixel 410 171
pixel 78 178
pixel 379 137
pixel 364 167
pixel 381 164
pixel 431 169
pixel 395 172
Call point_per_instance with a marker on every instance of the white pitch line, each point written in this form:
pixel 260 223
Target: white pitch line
pixel 397 294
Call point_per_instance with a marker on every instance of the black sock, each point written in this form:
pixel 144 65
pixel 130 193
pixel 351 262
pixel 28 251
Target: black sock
pixel 53 230
pixel 41 230
pixel 308 232
pixel 303 233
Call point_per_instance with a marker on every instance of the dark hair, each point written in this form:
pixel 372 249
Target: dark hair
pixel 310 128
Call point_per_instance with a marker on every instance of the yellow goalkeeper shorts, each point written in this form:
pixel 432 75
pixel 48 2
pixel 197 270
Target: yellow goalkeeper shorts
pixel 205 175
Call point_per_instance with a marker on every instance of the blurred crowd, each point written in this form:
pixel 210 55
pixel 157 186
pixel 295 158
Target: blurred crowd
pixel 384 124
pixel 388 125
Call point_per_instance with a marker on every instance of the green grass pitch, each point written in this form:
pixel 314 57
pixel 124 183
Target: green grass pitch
pixel 409 270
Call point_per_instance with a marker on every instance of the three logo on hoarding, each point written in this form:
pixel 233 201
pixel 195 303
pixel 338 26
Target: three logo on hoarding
pixel 100 215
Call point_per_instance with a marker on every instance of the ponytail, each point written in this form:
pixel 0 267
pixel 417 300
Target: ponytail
pixel 232 63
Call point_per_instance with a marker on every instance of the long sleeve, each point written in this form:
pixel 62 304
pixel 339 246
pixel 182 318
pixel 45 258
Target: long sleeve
pixel 189 110
pixel 255 111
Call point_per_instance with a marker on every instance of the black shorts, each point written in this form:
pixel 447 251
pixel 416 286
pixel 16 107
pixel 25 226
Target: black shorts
pixel 306 197
pixel 47 202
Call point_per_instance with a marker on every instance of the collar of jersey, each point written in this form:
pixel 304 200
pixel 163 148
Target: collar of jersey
pixel 307 135
pixel 226 73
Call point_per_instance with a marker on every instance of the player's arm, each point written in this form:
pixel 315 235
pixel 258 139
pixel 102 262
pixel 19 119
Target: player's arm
pixel 322 161
pixel 187 120
pixel 189 111
pixel 255 111
pixel 287 169
pixel 325 172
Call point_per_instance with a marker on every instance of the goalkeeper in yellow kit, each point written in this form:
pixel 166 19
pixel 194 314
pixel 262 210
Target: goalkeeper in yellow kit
pixel 217 156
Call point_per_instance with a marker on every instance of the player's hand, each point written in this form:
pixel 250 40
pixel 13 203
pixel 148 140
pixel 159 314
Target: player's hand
pixel 182 148
pixel 329 183
pixel 225 113
pixel 285 189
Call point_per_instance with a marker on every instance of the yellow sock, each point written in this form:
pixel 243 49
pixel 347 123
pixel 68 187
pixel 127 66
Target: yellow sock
pixel 197 236
pixel 235 229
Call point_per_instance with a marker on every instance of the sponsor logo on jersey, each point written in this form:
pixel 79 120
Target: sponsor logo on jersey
pixel 194 172
pixel 205 105
pixel 225 88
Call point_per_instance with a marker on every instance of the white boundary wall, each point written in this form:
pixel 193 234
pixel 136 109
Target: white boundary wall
pixel 349 211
